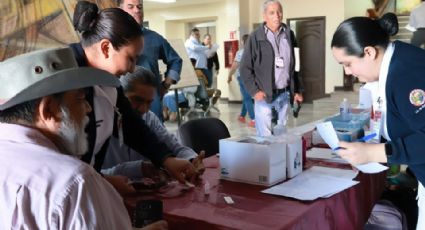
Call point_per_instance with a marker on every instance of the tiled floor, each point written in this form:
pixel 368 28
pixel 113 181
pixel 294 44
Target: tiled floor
pixel 229 113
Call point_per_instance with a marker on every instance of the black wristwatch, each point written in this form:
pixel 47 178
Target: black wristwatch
pixel 388 150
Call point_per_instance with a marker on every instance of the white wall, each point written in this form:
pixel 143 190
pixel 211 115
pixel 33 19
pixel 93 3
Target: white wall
pixel 355 8
pixel 240 15
pixel 172 23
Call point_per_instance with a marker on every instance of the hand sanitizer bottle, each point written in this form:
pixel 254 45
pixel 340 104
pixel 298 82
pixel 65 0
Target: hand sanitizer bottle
pixel 344 110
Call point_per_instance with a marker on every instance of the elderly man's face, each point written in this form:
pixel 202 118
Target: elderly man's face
pixel 134 8
pixel 273 16
pixel 141 98
pixel 74 109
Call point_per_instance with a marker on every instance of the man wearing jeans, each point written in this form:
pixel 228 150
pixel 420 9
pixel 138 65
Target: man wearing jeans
pixel 267 69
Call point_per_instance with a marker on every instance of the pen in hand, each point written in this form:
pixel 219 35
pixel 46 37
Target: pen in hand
pixel 366 138
pixel 363 139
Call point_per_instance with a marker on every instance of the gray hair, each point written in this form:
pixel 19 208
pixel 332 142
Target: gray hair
pixel 139 76
pixel 24 113
pixel 268 2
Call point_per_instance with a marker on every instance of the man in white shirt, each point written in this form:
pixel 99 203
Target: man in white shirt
pixel 196 51
pixel 43 114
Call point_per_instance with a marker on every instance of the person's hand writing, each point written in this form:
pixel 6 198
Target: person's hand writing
pixel 159 225
pixel 180 169
pixel 360 153
pixel 259 96
pixel 120 183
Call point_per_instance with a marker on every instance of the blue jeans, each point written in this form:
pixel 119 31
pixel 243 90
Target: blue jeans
pixel 209 74
pixel 169 100
pixel 263 121
pixel 247 104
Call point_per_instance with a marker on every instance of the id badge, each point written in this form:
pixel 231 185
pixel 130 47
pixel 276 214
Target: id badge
pixel 279 62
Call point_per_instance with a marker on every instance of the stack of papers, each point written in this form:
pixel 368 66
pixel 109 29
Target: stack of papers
pixel 325 155
pixel 316 182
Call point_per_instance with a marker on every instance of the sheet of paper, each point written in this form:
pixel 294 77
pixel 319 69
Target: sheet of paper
pixel 325 155
pixel 334 172
pixel 312 184
pixel 372 167
pixel 297 59
pixel 327 132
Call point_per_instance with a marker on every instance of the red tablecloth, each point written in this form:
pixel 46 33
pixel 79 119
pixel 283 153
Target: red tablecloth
pixel 252 209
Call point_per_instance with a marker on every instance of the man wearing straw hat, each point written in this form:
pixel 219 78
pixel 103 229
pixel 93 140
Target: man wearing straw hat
pixel 42 119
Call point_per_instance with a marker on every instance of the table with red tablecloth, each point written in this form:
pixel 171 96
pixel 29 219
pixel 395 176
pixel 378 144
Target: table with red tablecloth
pixel 252 209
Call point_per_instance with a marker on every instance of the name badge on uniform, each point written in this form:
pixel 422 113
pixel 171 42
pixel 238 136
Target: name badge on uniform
pixel 279 62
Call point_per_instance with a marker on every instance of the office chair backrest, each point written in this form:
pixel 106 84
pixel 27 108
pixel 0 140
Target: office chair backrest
pixel 203 134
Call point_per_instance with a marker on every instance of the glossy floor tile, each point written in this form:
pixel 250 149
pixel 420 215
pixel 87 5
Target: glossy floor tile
pixel 321 108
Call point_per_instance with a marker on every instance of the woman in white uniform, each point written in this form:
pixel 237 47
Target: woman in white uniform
pixel 363 47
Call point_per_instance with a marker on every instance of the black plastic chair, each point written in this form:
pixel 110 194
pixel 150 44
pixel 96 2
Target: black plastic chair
pixel 203 134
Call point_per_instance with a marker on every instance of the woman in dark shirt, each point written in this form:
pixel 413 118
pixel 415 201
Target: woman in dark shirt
pixel 111 40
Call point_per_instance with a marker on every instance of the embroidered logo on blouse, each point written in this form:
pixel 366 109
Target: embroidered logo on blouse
pixel 417 97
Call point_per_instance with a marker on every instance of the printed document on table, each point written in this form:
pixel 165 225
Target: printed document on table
pixel 315 183
pixel 327 132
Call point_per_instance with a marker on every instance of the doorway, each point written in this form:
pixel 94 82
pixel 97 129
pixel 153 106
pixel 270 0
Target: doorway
pixel 207 27
pixel 310 35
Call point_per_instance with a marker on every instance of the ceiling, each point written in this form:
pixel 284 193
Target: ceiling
pixel 179 3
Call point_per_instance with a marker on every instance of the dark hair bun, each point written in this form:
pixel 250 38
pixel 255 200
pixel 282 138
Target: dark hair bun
pixel 389 23
pixel 85 16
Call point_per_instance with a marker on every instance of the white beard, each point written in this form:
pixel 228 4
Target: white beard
pixel 73 136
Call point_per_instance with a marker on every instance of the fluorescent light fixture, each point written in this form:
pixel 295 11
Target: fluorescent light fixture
pixel 161 1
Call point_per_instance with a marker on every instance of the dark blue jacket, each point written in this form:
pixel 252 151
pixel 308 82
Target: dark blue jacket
pixel 157 48
pixel 137 134
pixel 406 116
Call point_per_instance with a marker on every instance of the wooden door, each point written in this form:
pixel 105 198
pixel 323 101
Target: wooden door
pixel 310 34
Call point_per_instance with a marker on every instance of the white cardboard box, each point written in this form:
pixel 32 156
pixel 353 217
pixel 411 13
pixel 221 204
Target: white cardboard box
pixel 254 160
pixel 294 157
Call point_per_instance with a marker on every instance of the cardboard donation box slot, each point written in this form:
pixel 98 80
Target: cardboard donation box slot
pixel 253 160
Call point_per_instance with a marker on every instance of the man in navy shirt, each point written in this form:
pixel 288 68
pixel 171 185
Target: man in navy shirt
pixel 155 48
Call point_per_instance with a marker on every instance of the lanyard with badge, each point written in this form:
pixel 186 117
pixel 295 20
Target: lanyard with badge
pixel 278 60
